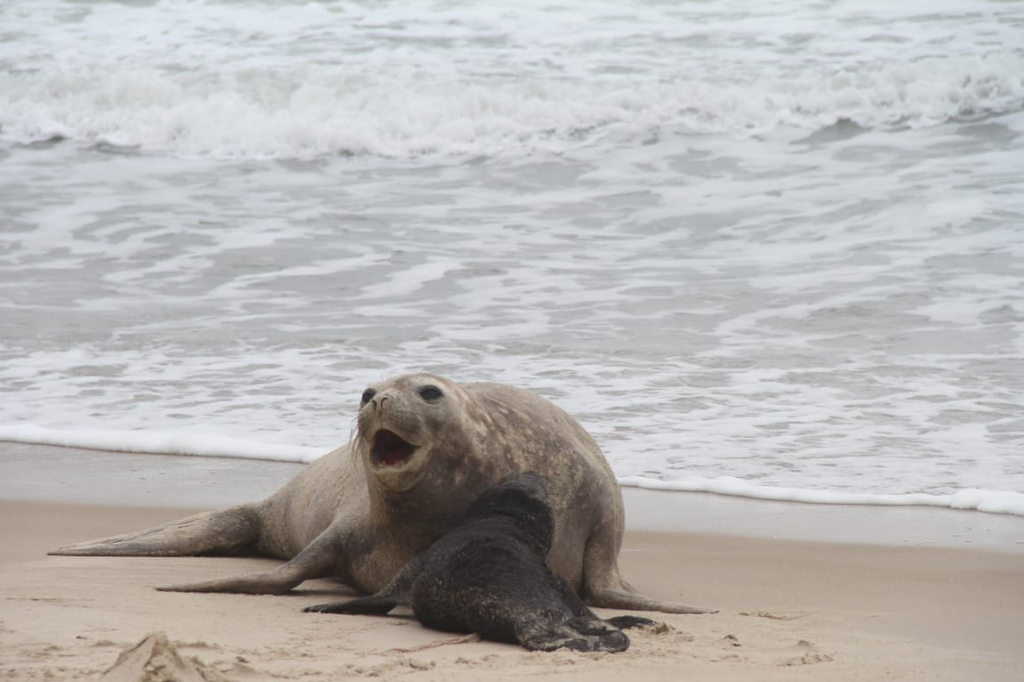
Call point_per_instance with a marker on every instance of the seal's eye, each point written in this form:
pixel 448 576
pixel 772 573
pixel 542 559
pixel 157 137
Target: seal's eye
pixel 368 396
pixel 430 393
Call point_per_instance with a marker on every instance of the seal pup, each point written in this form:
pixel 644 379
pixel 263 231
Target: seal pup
pixel 425 448
pixel 489 575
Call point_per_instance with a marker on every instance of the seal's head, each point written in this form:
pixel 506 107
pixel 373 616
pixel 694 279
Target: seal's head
pixel 414 425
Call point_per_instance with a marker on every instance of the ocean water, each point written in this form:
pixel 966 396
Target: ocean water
pixel 767 250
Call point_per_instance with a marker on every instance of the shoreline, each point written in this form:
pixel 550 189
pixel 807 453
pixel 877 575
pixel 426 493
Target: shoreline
pixel 42 473
pixel 789 609
pixel 995 501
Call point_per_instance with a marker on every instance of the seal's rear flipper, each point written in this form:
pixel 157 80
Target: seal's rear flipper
pixel 578 634
pixel 226 531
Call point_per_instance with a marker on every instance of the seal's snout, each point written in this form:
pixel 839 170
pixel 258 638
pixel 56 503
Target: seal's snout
pixel 389 449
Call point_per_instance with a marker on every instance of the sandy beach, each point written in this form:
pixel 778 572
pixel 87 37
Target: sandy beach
pixel 939 596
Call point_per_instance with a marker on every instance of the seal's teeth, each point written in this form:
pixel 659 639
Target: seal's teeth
pixel 390 449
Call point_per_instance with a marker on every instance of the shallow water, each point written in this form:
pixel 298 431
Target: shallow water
pixel 782 245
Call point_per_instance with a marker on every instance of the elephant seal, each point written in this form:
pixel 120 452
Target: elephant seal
pixel 425 448
pixel 489 575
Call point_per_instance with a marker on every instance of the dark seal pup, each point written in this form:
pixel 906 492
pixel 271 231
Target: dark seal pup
pixel 425 448
pixel 488 575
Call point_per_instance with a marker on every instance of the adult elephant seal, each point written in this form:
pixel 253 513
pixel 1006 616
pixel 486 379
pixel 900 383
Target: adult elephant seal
pixel 489 575
pixel 425 449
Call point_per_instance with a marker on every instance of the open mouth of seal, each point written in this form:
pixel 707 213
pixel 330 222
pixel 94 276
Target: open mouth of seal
pixel 390 450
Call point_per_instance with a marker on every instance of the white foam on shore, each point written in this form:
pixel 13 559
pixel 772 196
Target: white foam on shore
pixel 208 445
pixel 159 443
pixel 991 501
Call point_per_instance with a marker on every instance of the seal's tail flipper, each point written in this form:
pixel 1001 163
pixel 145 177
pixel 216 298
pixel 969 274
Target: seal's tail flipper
pixel 226 531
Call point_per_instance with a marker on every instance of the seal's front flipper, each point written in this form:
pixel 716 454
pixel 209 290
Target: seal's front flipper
pixel 398 592
pixel 318 560
pixel 226 531
pixel 624 599
pixel 374 605
pixel 627 622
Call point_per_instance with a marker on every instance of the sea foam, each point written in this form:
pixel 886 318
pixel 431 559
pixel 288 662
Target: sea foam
pixel 992 501
pixel 159 443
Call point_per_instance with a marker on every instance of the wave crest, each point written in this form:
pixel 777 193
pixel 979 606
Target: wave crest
pixel 328 111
